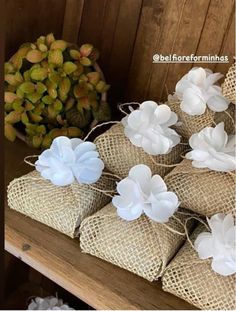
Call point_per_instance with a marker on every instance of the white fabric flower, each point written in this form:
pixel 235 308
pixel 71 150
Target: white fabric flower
pixel 48 303
pixel 197 89
pixel 220 244
pixel 70 159
pixel 149 128
pixel 141 192
pixel 212 148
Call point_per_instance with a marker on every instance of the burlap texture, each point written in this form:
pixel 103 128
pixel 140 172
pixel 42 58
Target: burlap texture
pixel 192 279
pixel 202 190
pixel 141 246
pixel 62 208
pixel 194 124
pixel 120 155
pixel 229 85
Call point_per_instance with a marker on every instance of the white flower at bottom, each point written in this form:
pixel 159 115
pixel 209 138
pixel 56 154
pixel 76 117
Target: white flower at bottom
pixel 48 303
pixel 70 159
pixel 220 244
pixel 141 192
pixel 213 149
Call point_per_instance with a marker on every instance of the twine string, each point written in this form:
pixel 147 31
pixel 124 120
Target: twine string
pixel 173 230
pixel 162 164
pixel 120 106
pixel 29 157
pixel 231 118
pixel 186 229
pixel 112 175
pixel 105 192
pixel 99 125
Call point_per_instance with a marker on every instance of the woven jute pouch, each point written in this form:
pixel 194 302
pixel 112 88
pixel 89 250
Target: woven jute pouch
pixel 62 208
pixel 192 279
pixel 120 155
pixel 203 191
pixel 193 124
pixel 229 85
pixel 142 246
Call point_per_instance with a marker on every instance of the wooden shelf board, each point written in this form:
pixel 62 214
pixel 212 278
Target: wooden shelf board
pixel 96 282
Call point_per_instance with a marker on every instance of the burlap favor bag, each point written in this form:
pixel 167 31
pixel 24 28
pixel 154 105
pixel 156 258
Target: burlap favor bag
pixel 62 208
pixel 142 246
pixel 203 191
pixel 229 85
pixel 190 125
pixel 120 155
pixel 192 279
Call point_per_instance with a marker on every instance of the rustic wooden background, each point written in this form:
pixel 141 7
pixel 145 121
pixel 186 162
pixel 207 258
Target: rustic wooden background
pixel 128 33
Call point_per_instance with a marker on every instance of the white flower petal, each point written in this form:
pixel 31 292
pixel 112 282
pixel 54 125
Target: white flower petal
pixel 128 187
pixel 59 143
pixel 204 245
pixel 59 178
pixel 212 79
pixel 192 103
pixel 230 236
pixel 181 87
pixel 220 266
pixel 168 196
pixel 141 174
pixel 198 141
pixel 87 176
pixel 122 202
pixel 160 211
pixel 84 147
pixel 220 165
pixel 218 103
pixel 197 155
pixel 162 145
pixel 158 185
pixel 88 155
pixel 129 215
pixel 162 113
pixel 75 142
pixel 197 75
pixel 219 136
pixel 149 105
pixel 228 223
pixel 199 164
pixel 134 119
pixel 173 119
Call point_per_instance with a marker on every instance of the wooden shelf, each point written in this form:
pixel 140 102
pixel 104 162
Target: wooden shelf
pixel 96 282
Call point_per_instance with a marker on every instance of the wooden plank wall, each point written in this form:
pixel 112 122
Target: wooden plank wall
pixel 128 33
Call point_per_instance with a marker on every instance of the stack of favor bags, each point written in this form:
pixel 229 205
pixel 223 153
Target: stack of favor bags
pixel 157 184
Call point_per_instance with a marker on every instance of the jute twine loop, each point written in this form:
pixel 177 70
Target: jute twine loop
pixel 29 157
pixel 98 126
pixel 186 229
pixel 173 230
pixel 120 106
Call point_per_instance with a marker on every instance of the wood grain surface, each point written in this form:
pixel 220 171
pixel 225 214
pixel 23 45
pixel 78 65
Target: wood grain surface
pixel 128 33
pixel 96 282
